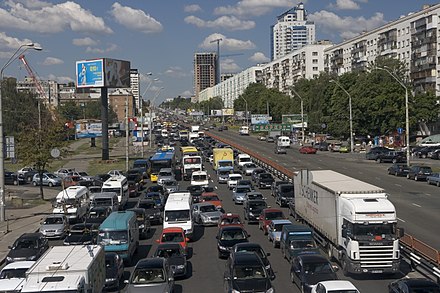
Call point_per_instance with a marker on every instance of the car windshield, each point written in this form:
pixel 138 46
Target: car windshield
pixel 172 237
pixel 258 251
pixel 210 198
pixel 113 237
pixel 53 221
pixel 165 174
pixel 148 276
pixel 257 206
pixel 255 196
pixel 371 230
pixel 278 227
pixel 301 244
pixel 102 202
pixel 13 273
pixel 233 235
pixel 177 215
pixel 25 243
pixel 51 175
pixel 199 177
pixel 170 183
pixel 168 252
pixel 147 205
pixel 242 190
pixel 249 166
pixel 286 189
pixel 249 272
pixel 227 221
pixel 274 215
pixel 426 169
pixel 265 176
pixel 318 268
pixel 225 164
pixel 234 178
pixel 222 172
pixel 206 209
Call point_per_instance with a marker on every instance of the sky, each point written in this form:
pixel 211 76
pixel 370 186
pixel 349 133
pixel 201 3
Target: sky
pixel 161 36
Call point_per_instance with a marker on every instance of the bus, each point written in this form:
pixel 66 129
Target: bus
pixel 158 161
pixel 189 151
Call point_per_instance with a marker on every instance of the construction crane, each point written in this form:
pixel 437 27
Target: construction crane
pixel 217 65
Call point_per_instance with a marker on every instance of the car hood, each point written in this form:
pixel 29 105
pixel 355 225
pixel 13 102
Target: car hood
pixel 151 288
pixel 252 285
pixel 313 279
pixel 212 214
pixel 23 252
pixel 51 227
pixel 77 239
pixel 177 260
pixel 230 243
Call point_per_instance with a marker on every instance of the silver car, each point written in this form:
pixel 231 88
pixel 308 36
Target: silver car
pixel 165 174
pixel 239 193
pixel 49 179
pixel 248 168
pixel 55 226
pixel 151 275
pixel 206 214
pixel 274 231
pixel 170 186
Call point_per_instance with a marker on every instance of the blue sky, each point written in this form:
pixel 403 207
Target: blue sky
pixel 161 36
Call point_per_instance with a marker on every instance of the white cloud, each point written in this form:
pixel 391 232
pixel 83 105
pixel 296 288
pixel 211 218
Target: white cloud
pixel 226 22
pixel 31 3
pixel 111 48
pixel 259 57
pixel 7 42
pixel 84 42
pixel 51 19
pixel 254 7
pixel 226 43
pixel 60 79
pixel 229 66
pixel 52 61
pixel 175 71
pixel 186 94
pixel 192 8
pixel 345 5
pixel 135 19
pixel 345 27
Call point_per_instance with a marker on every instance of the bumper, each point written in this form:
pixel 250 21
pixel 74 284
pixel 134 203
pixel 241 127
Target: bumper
pixel 210 222
pixel 252 219
pixel 53 235
pixel 354 267
pixel 265 185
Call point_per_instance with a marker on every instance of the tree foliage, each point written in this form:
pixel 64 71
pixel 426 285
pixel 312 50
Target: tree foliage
pixel 71 110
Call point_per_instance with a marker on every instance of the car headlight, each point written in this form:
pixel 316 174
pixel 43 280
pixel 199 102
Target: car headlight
pixel 222 247
pixel 268 267
pixel 141 226
pixel 33 257
pixel 235 291
pixel 180 267
pixel 203 216
pixel 271 290
pixel 9 259
pixel 110 279
pixel 59 231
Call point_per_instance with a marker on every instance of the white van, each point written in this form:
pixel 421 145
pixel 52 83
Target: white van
pixel 119 185
pixel 244 130
pixel 200 178
pixel 177 212
pixel 243 159
pixel 74 202
pixel 106 199
pixel 283 141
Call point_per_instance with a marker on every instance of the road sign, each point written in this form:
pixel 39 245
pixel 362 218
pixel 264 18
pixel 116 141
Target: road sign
pixel 271 127
pixel 400 130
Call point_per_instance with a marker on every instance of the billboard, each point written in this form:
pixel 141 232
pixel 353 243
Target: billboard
pixel 90 73
pixel 117 73
pixel 257 119
pixel 294 120
pixel 88 129
pixel 216 112
pixel 228 112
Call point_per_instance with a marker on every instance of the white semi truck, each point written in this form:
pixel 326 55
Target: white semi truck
pixel 354 221
pixel 68 269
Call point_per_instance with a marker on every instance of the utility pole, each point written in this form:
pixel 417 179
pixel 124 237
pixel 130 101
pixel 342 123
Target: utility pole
pixel 127 133
pixel 217 65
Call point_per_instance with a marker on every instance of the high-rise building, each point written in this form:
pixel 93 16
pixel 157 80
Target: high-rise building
pixel 134 85
pixel 291 32
pixel 205 71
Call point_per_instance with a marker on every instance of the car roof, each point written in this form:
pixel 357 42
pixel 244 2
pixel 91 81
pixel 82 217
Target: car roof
pixel 153 262
pixel 246 258
pixel 276 222
pixel 312 258
pixel 31 236
pixel 249 245
pixel 168 245
pixel 19 265
pixel 338 285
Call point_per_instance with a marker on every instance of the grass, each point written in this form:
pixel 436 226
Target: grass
pixel 101 167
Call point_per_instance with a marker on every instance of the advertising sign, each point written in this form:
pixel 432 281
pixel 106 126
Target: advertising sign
pixel 88 129
pixel 216 112
pixel 117 73
pixel 258 119
pixel 271 127
pixel 294 120
pixel 89 73
pixel 196 113
pixel 228 112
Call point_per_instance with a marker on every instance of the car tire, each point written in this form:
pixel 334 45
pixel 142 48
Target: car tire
pixel 34 183
pixel 395 173
pixel 408 177
pixel 424 156
pixel 378 160
pixel 274 244
pixel 438 184
pixel 394 161
pixel 292 279
pixel 50 184
pixel 15 182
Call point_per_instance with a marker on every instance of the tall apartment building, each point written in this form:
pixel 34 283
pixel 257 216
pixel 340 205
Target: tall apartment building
pixel 413 39
pixel 291 32
pixel 134 85
pixel 121 100
pixel 205 71
pixel 50 89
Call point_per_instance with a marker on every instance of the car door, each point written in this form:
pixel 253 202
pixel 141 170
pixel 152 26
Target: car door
pixel 227 277
pixel 296 272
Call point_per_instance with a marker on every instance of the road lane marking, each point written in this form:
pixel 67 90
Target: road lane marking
pixel 428 194
pixel 377 178
pixel 398 185
pixel 401 220
pixel 414 204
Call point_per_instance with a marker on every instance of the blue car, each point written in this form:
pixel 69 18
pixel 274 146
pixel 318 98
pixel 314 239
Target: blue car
pixel 157 197
pixel 434 179
pixel 274 231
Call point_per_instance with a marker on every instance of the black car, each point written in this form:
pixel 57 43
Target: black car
pixel 152 211
pixel 435 155
pixel 309 269
pixel 280 150
pixel 321 146
pixel 82 234
pixel 258 250
pixel 275 185
pixel 176 257
pixel 391 157
pixel 425 152
pixel 419 172
pixel 409 285
pixel 12 178
pixel 264 180
pixel 151 275
pixel 253 209
pixel 114 270
pixel 134 181
pixel 245 272
pixel 29 246
pixel 195 191
pixel 255 174
pixel 398 170
pixel 155 188
pixel 374 153
pixel 98 214
pixel 143 221
pixel 228 236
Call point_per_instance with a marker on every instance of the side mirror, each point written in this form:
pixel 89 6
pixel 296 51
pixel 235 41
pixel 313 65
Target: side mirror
pixel 157 241
pixel 216 237
pixel 335 268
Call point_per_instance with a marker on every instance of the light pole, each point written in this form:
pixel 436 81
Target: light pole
pixel 2 146
pixel 351 114
pixel 246 109
pixel 151 115
pixel 142 113
pixel 302 115
pixel 127 134
pixel 408 152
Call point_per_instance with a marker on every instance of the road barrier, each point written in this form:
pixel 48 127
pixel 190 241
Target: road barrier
pixel 422 257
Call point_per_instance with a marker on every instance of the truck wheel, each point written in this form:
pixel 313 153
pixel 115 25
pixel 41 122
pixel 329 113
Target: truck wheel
pixel 416 178
pixel 438 183
pixel 344 266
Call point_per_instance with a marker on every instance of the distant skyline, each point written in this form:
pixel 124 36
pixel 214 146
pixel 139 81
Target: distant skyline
pixel 161 37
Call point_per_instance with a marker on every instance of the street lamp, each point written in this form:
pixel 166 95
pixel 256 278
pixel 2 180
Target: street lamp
pixel 302 114
pixel 246 109
pixel 351 114
pixel 408 153
pixel 142 113
pixel 14 56
pixel 151 115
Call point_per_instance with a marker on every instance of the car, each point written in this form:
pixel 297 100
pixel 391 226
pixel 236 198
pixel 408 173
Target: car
pixel 143 221
pixel 229 219
pixel 426 152
pixel 164 175
pixel 280 150
pixel 419 172
pixel 232 180
pixel 114 270
pixel 13 275
pixel 12 178
pixel 344 149
pixel 284 194
pixel 62 172
pixel 374 153
pixel 307 150
pixel 309 269
pixel 174 234
pixel 82 234
pixel 274 231
pixel 223 175
pixel 253 195
pixel 195 191
pixel 342 286
pixel 49 179
pixel 152 211
pixel 29 246
pixel 55 226
pixel 270 139
pixel 239 193
pixel 245 272
pixel 156 188
pixel 391 157
pixel 170 186
pixel 247 182
pixel 275 185
pixel 206 214
pixel 433 179
pixel 135 184
pixel 98 214
pixel 410 285
pixel 157 197
pixel 152 275
pixel 321 146
pixel 228 236
pixel 255 174
pixel 253 209
pixel 211 197
pixel 398 170
pixel 176 257
pixel 264 180
pixel 258 250
pixel 267 215
pixel 248 168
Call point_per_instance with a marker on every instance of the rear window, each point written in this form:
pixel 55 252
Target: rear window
pixel 426 169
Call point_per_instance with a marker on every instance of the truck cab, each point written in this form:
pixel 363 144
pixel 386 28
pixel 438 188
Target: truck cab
pixel 296 240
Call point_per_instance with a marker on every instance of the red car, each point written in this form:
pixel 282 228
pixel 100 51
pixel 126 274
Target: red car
pixel 211 197
pixel 174 235
pixel 267 216
pixel 307 150
pixel 229 219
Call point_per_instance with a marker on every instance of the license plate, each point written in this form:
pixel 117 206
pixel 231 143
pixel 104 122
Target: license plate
pixel 376 271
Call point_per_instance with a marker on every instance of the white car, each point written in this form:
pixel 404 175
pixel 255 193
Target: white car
pixel 340 286
pixel 115 173
pixel 63 172
pixel 232 180
pixel 12 276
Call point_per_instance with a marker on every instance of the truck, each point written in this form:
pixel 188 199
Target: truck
pixel 353 220
pixel 191 164
pixel 222 157
pixel 68 269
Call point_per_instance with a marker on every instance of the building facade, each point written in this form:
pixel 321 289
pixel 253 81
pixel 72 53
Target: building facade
pixel 134 85
pixel 291 32
pixel 50 90
pixel 205 71
pixel 121 100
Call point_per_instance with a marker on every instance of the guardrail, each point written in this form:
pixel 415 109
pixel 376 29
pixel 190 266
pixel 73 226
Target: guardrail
pixel 422 257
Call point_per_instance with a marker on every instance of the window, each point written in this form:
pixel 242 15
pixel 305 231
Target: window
pixel 314 53
pixel 315 68
pixel 315 61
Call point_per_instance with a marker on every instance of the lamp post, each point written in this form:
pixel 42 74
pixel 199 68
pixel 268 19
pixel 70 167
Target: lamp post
pixel 246 109
pixel 151 115
pixel 142 113
pixel 351 114
pixel 2 146
pixel 408 152
pixel 302 115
